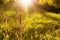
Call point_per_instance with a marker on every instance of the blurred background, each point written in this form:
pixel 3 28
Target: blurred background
pixel 29 19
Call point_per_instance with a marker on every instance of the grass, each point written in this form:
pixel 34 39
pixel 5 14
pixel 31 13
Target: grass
pixel 36 27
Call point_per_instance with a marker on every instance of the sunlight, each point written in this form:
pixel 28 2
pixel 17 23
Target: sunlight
pixel 25 3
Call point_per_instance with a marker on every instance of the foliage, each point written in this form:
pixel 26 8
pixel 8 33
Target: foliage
pixel 37 23
pixel 37 27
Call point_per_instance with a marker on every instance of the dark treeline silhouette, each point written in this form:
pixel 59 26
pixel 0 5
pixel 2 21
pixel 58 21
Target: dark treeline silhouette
pixel 46 7
pixel 52 8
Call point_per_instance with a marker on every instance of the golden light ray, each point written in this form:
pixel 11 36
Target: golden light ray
pixel 25 3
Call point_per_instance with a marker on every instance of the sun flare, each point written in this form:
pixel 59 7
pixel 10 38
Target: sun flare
pixel 25 3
